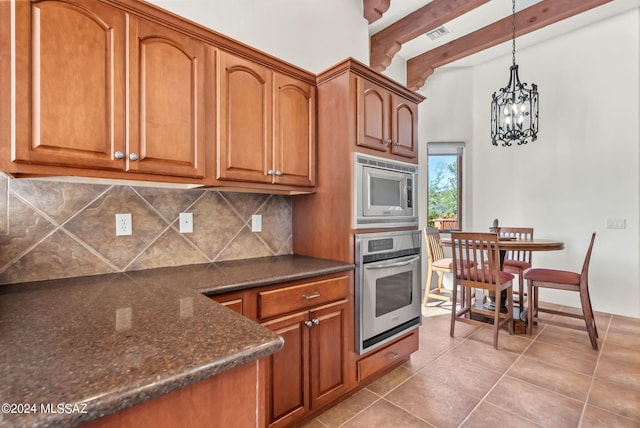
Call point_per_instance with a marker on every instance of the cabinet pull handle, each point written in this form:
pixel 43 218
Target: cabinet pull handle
pixel 313 296
pixel 309 324
pixel 119 155
pixel 392 355
pixel 397 144
pixel 315 321
pixel 133 156
pixel 387 142
pixel 270 172
pixel 278 173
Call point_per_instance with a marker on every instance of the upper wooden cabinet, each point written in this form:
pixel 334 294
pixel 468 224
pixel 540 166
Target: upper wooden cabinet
pixel 266 125
pixel 70 84
pixel 387 122
pixel 126 90
pixel 167 101
pixel 72 104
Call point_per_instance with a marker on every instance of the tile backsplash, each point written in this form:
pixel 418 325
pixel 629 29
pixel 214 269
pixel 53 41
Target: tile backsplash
pixel 52 229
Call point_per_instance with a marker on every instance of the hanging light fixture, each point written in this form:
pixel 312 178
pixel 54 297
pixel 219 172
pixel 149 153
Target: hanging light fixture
pixel 514 108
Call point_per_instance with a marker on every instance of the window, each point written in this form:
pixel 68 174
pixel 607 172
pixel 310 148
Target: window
pixel 445 185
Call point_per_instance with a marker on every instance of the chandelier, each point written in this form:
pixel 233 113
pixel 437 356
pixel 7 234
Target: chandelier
pixel 514 108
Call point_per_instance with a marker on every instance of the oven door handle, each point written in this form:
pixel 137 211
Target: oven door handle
pixel 391 265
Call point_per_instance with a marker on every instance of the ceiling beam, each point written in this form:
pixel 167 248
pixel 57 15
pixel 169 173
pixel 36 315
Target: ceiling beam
pixel 373 9
pixel 386 43
pixel 547 12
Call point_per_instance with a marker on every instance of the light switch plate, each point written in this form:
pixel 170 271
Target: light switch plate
pixel 616 223
pixel 256 223
pixel 186 222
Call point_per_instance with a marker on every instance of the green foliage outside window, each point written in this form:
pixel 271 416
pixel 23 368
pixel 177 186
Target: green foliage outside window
pixel 443 188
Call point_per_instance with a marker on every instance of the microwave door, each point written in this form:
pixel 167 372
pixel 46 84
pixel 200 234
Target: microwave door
pixel 385 193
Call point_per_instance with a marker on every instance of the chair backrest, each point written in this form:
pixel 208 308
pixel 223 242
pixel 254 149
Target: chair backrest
pixel 476 259
pixel 523 233
pixel 434 248
pixel 584 275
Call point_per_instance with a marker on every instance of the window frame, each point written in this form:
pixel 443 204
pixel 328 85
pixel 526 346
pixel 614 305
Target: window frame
pixel 448 149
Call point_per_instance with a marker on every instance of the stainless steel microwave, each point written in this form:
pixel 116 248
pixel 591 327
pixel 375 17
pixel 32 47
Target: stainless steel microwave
pixel 384 192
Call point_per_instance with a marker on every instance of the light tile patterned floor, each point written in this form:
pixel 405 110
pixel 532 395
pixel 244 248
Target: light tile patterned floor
pixel 551 379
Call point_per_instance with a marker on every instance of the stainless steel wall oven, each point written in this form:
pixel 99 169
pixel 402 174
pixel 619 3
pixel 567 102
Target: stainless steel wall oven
pixel 388 290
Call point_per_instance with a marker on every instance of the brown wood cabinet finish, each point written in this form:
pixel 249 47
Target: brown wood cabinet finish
pixel 387 122
pixel 70 84
pixel 167 101
pixel 311 371
pixel 121 89
pixel 230 399
pixel 267 125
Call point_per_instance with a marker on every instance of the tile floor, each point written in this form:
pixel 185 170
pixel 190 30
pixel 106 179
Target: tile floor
pixel 551 379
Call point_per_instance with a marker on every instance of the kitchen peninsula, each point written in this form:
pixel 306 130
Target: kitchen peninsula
pixel 107 342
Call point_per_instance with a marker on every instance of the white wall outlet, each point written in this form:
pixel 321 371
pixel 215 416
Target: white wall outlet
pixel 186 222
pixel 123 225
pixel 616 223
pixel 256 223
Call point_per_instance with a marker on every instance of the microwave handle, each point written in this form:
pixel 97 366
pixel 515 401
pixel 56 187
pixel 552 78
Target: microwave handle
pixel 397 264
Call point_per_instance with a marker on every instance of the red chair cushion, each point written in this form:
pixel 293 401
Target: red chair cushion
pixel 516 264
pixel 446 263
pixel 503 276
pixel 553 275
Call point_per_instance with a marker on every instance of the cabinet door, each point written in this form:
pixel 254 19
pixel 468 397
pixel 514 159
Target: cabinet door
pixel 328 349
pixel 70 86
pixel 373 116
pixel 404 127
pixel 244 146
pixel 287 371
pixel 294 122
pixel 167 101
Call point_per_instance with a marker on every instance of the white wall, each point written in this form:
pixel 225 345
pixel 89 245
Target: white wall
pixel 585 166
pixel 312 34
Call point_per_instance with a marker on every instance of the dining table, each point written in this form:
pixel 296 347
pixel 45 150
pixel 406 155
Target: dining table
pixel 506 244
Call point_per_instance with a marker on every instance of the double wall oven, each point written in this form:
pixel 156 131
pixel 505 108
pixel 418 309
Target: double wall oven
pixel 388 290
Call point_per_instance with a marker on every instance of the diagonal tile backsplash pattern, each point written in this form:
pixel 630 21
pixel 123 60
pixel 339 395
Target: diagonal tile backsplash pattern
pixel 52 230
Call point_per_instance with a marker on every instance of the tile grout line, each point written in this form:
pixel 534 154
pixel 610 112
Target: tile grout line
pixel 593 376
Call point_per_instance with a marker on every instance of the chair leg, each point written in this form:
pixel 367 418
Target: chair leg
pixel 454 299
pixel 595 327
pixel 521 290
pixel 589 320
pixel 496 318
pixel 427 285
pixel 530 288
pixel 510 297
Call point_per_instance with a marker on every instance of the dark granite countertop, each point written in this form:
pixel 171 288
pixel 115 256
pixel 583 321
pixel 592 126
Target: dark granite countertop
pixel 112 341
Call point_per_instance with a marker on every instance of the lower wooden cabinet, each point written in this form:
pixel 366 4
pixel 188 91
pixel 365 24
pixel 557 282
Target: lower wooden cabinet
pixel 310 371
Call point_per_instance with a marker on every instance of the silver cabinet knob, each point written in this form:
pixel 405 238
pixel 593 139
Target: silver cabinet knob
pixel 278 173
pixel 315 321
pixel 309 324
pixel 387 142
pixel 133 157
pixel 119 155
pixel 397 144
pixel 270 172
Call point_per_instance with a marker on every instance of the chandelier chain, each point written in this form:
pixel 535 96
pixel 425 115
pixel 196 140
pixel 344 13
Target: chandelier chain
pixel 513 39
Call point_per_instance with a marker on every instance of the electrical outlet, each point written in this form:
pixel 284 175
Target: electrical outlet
pixel 123 225
pixel 256 223
pixel 186 222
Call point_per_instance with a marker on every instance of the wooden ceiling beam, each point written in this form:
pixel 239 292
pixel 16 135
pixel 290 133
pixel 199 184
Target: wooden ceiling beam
pixel 386 43
pixel 547 12
pixel 374 9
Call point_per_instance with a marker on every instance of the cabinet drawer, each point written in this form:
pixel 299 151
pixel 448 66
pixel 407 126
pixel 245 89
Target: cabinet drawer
pixel 387 356
pixel 288 299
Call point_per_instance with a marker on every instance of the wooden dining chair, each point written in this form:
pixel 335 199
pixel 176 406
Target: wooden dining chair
pixel 563 280
pixel 517 262
pixel 438 263
pixel 476 265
